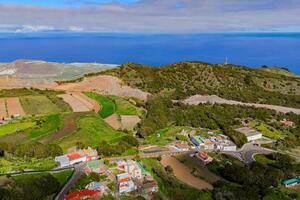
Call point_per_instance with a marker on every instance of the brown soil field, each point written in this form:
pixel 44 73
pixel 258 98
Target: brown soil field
pixel 68 127
pixel 3 113
pixel 10 82
pixel 104 84
pixel 114 121
pixel 90 103
pixel 183 173
pixel 198 99
pixel 14 106
pixel 129 121
pixel 76 104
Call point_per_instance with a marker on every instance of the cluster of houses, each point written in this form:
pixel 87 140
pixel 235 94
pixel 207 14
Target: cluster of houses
pixel 77 156
pixel 135 178
pixel 213 143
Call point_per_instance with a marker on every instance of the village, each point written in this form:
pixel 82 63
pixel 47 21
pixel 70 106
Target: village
pixel 127 175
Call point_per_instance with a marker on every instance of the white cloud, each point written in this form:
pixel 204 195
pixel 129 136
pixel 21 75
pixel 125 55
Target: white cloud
pixel 177 16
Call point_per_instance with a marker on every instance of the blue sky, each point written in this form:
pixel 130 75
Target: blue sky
pixel 58 3
pixel 150 16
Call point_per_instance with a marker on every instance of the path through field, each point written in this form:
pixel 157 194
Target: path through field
pixel 198 99
pixel 183 173
pixel 68 128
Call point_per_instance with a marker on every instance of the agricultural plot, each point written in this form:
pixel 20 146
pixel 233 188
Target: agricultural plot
pixel 15 127
pixel 114 121
pixel 76 104
pixel 108 107
pixel 34 105
pixel 3 112
pixel 90 103
pixel 124 107
pixel 14 107
pixel 129 121
pixel 91 130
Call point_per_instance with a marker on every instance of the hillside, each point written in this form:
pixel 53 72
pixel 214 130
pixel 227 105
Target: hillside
pixel 185 79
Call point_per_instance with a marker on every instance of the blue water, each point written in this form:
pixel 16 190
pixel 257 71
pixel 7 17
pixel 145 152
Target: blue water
pixel 249 49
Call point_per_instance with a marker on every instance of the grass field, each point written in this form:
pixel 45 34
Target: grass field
pixel 268 131
pixel 124 107
pixel 34 105
pixel 165 136
pixel 14 127
pixel 108 107
pixel 63 176
pixel 19 164
pixel 263 159
pixel 91 130
pixel 47 125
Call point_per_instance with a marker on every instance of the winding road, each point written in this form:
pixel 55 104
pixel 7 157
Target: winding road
pixel 247 152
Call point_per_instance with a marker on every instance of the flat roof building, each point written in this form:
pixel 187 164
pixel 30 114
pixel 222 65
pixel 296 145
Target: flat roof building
pixel 251 134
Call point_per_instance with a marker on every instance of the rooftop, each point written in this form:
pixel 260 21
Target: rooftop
pixel 248 131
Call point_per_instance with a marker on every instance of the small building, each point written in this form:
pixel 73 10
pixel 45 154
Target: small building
pixel 197 140
pixel 251 134
pixel 204 157
pixel 84 194
pixel 291 182
pixel 125 184
pixel 132 168
pixel 287 123
pixel 77 156
pixel 95 186
pixel 182 146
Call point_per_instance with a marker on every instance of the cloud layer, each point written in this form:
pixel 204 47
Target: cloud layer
pixel 155 16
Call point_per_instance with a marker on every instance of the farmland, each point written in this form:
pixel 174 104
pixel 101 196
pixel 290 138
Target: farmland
pixel 14 127
pixel 91 130
pixel 108 107
pixel 10 107
pixel 34 105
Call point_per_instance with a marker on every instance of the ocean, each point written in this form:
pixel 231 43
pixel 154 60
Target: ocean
pixel 248 49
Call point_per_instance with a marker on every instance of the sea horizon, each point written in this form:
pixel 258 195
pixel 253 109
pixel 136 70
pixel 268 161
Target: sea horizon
pixel 251 49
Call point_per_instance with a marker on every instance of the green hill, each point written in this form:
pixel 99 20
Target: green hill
pixel 227 81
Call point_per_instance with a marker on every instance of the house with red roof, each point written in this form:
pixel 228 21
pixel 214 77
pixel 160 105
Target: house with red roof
pixel 84 194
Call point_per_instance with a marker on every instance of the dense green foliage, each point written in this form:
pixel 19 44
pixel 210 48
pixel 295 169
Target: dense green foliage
pixel 162 113
pixel 228 81
pixel 257 181
pixel 31 186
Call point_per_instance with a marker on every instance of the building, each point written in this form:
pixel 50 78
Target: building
pixel 204 157
pixel 291 182
pixel 132 168
pixel 95 186
pixel 125 184
pixel 197 140
pixel 182 146
pixel 251 134
pixel 287 123
pixel 149 187
pixel 77 156
pixel 84 194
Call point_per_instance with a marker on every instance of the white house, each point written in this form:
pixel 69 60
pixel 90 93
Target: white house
pixel 125 184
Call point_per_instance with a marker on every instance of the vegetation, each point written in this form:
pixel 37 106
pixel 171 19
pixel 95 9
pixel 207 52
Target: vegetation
pixel 169 186
pixel 15 127
pixel 107 105
pixel 124 107
pixel 91 129
pixel 29 186
pixel 258 181
pixel 228 81
pixel 16 164
pixel 34 105
pixel 63 176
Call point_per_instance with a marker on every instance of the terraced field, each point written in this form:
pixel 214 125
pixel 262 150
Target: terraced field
pixel 34 105
pixel 108 107
pixel 15 127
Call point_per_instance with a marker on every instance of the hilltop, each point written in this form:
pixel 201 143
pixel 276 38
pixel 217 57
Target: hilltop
pixel 232 82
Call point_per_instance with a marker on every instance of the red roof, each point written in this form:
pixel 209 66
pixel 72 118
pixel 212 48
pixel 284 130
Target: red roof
pixel 73 156
pixel 83 194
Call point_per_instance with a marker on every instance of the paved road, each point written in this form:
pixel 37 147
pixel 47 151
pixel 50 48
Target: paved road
pixel 78 172
pixel 247 152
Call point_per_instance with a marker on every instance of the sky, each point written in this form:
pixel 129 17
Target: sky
pixel 150 16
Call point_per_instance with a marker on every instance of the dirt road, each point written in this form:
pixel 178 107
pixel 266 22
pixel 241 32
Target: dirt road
pixel 183 173
pixel 213 99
